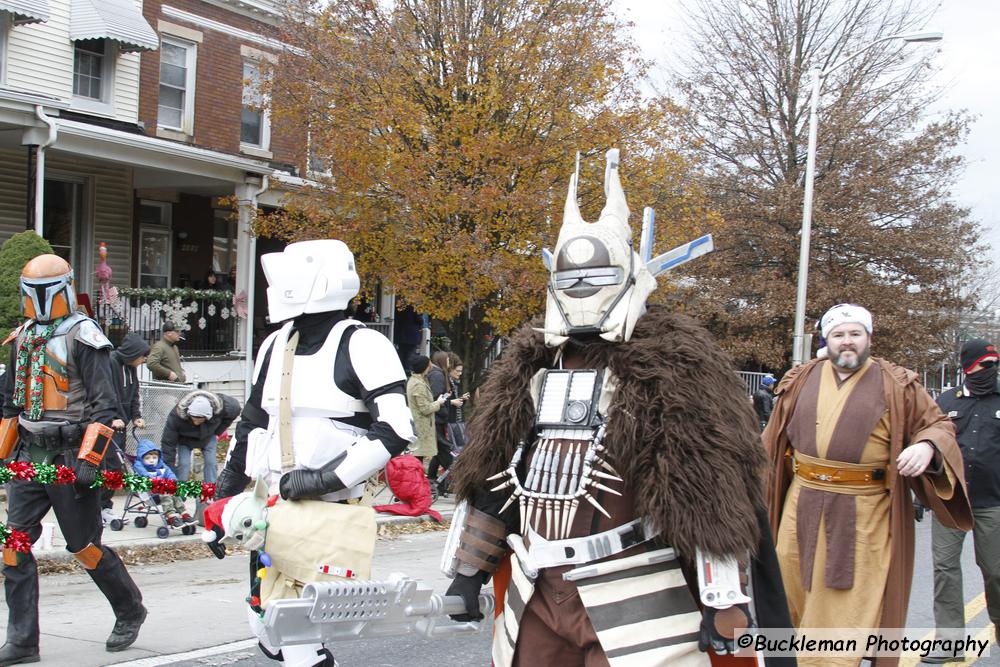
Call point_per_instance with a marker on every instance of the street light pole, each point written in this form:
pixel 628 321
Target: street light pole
pixel 817 75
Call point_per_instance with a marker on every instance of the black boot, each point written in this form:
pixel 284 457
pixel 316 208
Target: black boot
pixel 12 654
pixel 114 581
pixel 21 589
pixel 126 631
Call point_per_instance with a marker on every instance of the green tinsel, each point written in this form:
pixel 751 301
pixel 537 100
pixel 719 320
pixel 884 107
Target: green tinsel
pixel 136 483
pixel 45 473
pixel 4 533
pixel 5 475
pixel 189 489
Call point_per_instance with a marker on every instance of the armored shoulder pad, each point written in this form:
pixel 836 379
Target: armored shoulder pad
pixel 90 333
pixel 16 332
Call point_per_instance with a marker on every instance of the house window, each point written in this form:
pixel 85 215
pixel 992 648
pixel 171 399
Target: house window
pixel 88 69
pixel 255 124
pixel 155 243
pixel 224 242
pixel 177 79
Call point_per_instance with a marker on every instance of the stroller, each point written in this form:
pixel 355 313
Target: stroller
pixel 142 504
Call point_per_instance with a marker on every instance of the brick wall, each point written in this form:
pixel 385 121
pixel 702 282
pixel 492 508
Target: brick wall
pixel 219 83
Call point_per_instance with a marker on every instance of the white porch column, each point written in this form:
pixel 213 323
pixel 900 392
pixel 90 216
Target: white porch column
pixel 246 266
pixel 387 310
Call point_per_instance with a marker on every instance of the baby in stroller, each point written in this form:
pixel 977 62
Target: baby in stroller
pixel 149 463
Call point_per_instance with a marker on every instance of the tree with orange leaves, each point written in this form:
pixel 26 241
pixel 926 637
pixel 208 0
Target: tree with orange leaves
pixel 447 132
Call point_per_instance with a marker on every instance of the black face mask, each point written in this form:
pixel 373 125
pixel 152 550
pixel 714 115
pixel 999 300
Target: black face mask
pixel 982 382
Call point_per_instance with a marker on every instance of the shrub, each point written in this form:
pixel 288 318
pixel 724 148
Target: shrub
pixel 14 254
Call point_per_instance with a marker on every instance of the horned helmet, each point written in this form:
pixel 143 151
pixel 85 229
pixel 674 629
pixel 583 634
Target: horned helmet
pixel 47 290
pixel 598 283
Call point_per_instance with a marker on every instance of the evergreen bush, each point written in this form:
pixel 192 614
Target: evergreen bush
pixel 14 254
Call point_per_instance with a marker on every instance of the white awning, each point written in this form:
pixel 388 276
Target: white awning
pixel 26 11
pixel 118 20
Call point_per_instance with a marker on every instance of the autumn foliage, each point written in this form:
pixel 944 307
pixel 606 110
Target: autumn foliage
pixel 886 232
pixel 448 131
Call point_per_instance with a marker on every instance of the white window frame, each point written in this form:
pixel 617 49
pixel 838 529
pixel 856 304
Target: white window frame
pixel 104 106
pixel 190 80
pixel 263 149
pixel 310 157
pixel 165 227
pixel 5 25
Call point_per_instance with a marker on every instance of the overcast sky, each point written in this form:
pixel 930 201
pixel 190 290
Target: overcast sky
pixel 969 58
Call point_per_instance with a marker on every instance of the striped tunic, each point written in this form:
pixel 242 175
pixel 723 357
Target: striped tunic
pixel 645 615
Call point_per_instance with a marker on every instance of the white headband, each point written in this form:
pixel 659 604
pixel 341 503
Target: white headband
pixel 844 313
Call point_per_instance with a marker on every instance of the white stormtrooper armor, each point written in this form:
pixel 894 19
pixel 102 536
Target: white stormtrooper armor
pixel 326 421
pixel 319 406
pixel 344 405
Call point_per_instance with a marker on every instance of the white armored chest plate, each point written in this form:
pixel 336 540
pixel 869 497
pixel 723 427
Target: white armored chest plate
pixel 314 393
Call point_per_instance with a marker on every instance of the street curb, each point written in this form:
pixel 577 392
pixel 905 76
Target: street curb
pixel 61 555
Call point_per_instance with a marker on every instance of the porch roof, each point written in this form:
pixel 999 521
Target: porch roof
pixel 186 163
pixel 26 11
pixel 118 20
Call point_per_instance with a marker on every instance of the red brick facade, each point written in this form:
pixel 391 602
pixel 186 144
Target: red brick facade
pixel 218 95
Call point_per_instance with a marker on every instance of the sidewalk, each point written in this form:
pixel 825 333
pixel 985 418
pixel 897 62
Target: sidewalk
pixel 53 547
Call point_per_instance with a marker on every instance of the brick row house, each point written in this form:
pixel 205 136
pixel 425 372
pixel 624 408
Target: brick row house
pixel 141 126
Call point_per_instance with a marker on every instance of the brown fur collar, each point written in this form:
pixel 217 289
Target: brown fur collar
pixel 681 430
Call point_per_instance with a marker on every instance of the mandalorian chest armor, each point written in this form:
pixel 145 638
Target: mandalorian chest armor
pixel 566 463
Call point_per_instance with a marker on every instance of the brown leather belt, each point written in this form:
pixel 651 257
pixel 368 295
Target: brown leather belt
pixel 821 473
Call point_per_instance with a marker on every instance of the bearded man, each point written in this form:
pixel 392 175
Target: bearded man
pixel 850 437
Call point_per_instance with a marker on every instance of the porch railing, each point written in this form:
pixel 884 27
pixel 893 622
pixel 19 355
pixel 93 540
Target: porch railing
pixel 206 318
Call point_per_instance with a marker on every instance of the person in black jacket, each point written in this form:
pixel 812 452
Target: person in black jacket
pixel 974 409
pixel 438 379
pixel 763 400
pixel 130 355
pixel 196 423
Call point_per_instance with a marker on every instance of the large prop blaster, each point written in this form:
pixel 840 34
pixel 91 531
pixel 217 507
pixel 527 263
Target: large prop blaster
pixel 342 610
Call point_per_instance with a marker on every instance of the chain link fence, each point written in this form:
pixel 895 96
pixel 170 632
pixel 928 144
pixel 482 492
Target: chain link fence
pixel 158 399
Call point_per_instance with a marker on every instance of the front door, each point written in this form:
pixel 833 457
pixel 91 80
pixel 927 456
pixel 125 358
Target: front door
pixel 65 225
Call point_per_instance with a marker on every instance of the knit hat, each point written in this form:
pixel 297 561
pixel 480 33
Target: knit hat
pixel 200 407
pixel 419 363
pixel 977 350
pixel 767 380
pixel 845 313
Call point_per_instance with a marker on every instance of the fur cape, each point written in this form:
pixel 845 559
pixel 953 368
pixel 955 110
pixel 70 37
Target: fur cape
pixel 681 430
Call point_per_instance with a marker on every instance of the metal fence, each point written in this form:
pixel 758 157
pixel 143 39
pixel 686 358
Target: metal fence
pixel 751 380
pixel 158 400
pixel 208 322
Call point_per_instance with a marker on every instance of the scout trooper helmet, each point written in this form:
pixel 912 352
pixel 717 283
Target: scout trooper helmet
pixel 47 291
pixel 309 277
pixel 598 284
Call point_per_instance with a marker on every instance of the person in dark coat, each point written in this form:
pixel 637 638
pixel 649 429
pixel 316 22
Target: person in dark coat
pixel 440 386
pixel 196 423
pixel 130 355
pixel 763 400
pixel 407 334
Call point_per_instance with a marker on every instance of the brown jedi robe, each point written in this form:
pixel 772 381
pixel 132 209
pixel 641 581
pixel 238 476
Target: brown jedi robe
pixel 913 416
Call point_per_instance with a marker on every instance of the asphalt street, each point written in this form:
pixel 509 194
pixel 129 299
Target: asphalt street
pixel 197 617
